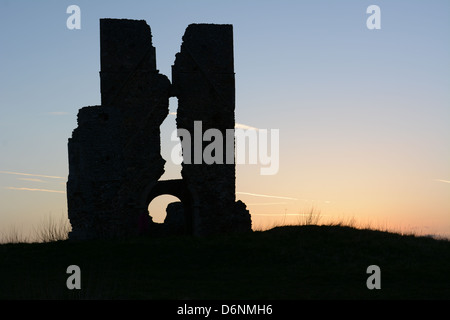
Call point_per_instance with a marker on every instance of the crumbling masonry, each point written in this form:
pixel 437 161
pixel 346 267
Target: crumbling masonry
pixel 115 158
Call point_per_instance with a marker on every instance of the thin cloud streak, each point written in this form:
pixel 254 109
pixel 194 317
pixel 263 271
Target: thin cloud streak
pixel 32 179
pixel 265 195
pixel 32 175
pixel 440 180
pixel 265 203
pixel 284 214
pixel 58 113
pixel 244 126
pixel 30 189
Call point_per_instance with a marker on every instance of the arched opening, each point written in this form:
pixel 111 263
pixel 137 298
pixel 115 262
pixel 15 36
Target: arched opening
pixel 157 208
pixel 170 205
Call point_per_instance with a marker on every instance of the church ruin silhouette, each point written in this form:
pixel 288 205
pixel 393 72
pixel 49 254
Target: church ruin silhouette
pixel 115 162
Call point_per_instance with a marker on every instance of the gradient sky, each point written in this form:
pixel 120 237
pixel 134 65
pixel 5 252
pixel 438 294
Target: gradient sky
pixel 364 115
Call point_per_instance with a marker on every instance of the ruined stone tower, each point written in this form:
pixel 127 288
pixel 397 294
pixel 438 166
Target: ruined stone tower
pixel 114 154
pixel 203 81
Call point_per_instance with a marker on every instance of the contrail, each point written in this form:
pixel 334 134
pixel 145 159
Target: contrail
pixel 32 175
pixel 29 189
pixel 32 179
pixel 58 113
pixel 244 126
pixel 282 215
pixel 440 180
pixel 265 203
pixel 266 196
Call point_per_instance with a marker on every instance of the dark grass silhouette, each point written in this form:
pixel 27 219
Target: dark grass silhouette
pixel 292 262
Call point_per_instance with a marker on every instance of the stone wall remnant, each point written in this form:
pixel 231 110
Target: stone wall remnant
pixel 203 80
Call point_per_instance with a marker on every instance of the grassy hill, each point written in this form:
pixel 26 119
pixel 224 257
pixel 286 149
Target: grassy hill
pixel 302 262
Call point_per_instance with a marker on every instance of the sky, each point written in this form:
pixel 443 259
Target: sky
pixel 363 115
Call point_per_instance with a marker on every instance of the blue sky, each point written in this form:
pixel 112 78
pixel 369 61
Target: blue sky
pixel 363 114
